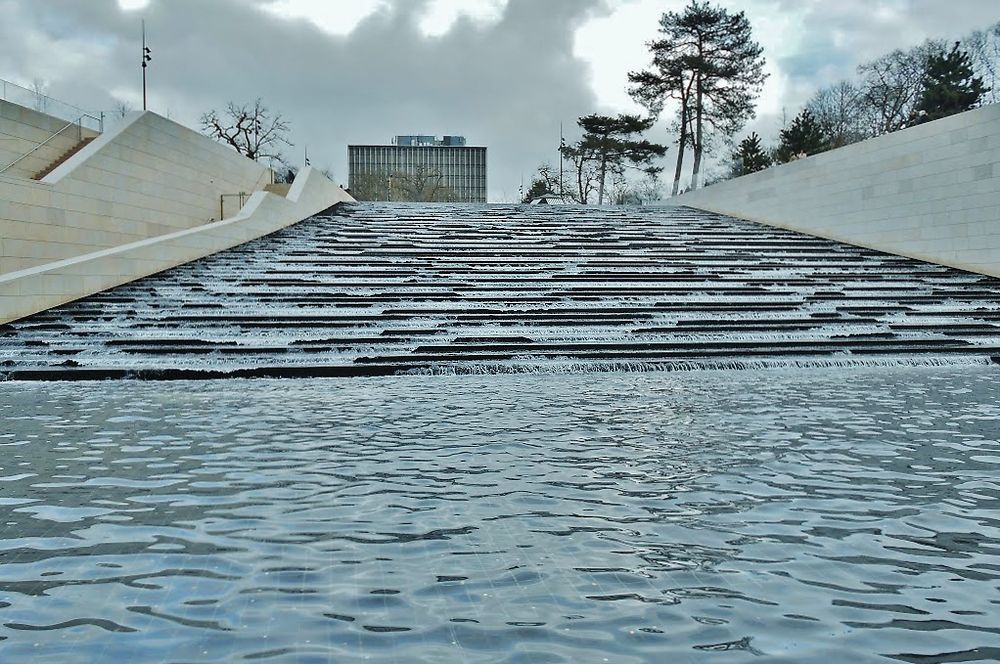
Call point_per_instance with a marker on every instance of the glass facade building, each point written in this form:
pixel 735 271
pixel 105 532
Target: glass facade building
pixel 418 168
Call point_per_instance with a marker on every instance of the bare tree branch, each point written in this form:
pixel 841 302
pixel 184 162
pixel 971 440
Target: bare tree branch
pixel 250 129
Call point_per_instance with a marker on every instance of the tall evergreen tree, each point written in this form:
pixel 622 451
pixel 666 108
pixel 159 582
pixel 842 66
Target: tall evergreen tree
pixel 804 137
pixel 611 144
pixel 950 86
pixel 750 157
pixel 708 61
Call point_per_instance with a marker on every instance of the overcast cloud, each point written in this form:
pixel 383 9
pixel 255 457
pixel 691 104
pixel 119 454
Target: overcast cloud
pixel 504 73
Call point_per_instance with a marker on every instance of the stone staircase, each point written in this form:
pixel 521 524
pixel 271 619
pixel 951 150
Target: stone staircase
pixel 62 158
pixel 386 289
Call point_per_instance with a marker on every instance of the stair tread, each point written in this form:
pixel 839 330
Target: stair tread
pixel 64 157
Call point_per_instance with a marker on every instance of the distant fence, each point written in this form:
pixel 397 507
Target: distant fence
pixel 22 96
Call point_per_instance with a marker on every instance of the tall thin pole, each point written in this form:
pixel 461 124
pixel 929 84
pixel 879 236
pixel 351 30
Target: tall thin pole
pixel 562 144
pixel 146 57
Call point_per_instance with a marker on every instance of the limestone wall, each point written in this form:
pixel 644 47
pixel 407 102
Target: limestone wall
pixel 930 192
pixel 23 129
pixel 147 177
pixel 139 199
pixel 38 288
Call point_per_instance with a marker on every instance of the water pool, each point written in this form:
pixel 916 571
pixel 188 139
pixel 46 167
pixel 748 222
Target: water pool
pixel 817 515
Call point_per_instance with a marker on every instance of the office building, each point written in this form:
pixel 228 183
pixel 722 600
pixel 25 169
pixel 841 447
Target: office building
pixel 418 168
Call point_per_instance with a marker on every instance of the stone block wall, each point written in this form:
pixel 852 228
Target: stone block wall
pixel 147 177
pixel 139 199
pixel 930 192
pixel 35 289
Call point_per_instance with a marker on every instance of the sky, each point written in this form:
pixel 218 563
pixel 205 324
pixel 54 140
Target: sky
pixel 503 73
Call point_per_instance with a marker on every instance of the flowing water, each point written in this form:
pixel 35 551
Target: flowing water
pixel 780 515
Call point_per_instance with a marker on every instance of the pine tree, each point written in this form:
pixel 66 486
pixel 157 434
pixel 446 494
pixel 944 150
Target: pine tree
pixel 609 143
pixel 708 61
pixel 750 157
pixel 804 137
pixel 950 86
pixel 539 187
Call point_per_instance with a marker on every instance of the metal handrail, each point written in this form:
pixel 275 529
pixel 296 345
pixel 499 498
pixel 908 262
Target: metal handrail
pixel 32 150
pixel 100 122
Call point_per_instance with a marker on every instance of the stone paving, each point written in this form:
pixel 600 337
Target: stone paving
pixel 385 289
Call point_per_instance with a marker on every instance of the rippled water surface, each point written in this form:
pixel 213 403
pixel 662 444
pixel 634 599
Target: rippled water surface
pixel 798 516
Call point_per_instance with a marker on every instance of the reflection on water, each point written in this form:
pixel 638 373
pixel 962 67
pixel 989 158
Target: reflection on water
pixel 806 516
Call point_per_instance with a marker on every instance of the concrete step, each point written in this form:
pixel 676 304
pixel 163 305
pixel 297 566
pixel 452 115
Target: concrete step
pixel 63 158
pixel 380 289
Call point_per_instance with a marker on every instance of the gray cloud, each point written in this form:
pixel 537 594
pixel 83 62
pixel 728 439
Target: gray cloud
pixel 505 85
pixel 838 36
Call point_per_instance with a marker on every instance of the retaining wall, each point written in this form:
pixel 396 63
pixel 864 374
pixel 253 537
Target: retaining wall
pixel 147 177
pixel 139 199
pixel 35 289
pixel 930 192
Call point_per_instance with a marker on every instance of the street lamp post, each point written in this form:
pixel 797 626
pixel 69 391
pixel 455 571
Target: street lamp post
pixel 146 57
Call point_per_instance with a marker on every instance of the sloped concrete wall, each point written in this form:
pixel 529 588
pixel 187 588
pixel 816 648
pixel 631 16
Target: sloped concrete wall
pixel 930 192
pixel 35 289
pixel 147 177
pixel 23 129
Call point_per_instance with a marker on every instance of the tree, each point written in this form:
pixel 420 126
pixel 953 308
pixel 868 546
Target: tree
pixel 983 47
pixel 609 142
pixel 549 177
pixel 539 187
pixel 950 86
pixel 422 184
pixel 668 79
pixel 40 88
pixel 749 157
pixel 286 175
pixel 804 137
pixel 709 63
pixel 582 174
pixel 891 86
pixel 251 129
pixel 122 109
pixel 840 110
pixel 648 188
pixel 370 186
